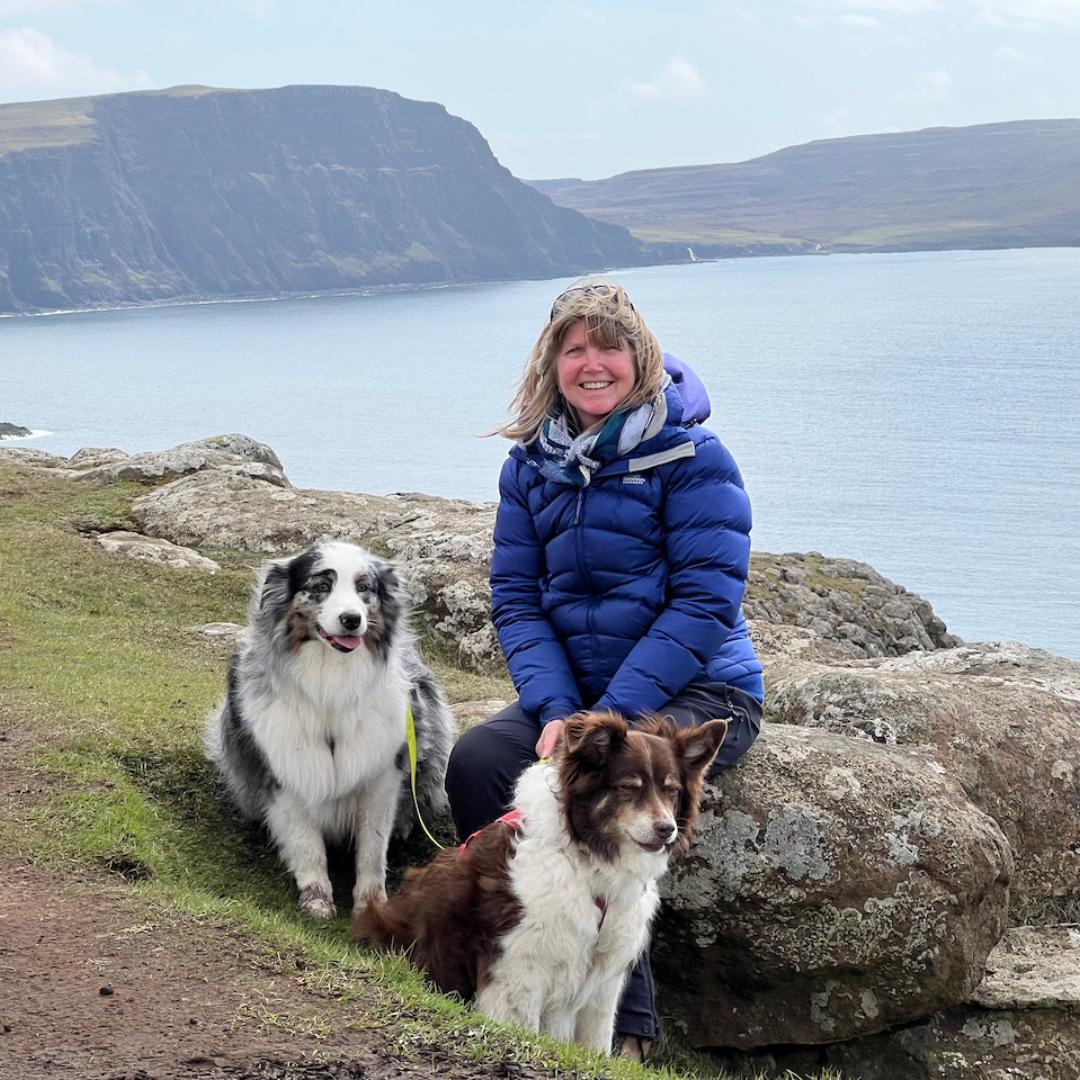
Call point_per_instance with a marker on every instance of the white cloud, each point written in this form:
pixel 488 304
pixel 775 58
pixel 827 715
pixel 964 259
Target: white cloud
pixel 260 9
pixel 17 9
pixel 587 14
pixel 877 7
pixel 865 22
pixel 1012 56
pixel 930 86
pixel 850 18
pixel 33 65
pixel 1027 14
pixel 677 80
pixel 860 14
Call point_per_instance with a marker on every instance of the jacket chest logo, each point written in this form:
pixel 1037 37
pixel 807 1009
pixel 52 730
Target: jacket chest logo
pixel 632 479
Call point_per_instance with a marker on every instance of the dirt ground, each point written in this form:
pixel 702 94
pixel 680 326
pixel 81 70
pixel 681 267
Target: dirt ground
pixel 87 991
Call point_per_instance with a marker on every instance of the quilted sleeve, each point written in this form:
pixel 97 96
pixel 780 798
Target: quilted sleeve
pixel 536 658
pixel 706 520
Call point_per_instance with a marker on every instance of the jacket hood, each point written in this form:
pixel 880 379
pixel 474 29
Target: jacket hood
pixel 696 406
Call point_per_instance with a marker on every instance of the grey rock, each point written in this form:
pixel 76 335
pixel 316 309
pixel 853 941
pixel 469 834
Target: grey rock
pixel 443 544
pixel 231 492
pixel 238 453
pixel 835 888
pixel 152 549
pixel 844 601
pixel 31 457
pixel 1002 718
pixel 1033 967
pixel 1022 1022
pixel 231 635
pixel 13 431
pixel 89 456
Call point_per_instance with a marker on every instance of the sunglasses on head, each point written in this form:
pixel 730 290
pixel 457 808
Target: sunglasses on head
pixel 616 292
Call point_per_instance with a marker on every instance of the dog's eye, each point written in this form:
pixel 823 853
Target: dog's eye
pixel 671 787
pixel 320 588
pixel 363 586
pixel 630 785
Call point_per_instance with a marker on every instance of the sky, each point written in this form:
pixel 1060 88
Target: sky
pixel 585 89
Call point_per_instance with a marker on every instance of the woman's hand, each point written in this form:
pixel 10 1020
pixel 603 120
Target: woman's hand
pixel 549 737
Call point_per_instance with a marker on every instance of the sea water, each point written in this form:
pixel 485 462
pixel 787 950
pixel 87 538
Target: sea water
pixel 914 411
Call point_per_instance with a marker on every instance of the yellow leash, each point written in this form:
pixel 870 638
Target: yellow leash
pixel 410 738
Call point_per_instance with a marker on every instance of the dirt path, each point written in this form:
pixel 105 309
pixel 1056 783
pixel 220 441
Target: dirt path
pixel 91 991
pixel 88 991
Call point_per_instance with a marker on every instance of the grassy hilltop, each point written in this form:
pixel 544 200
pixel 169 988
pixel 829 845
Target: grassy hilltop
pixel 1013 184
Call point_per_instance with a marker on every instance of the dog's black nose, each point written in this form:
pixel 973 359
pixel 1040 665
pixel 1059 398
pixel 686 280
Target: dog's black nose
pixel 665 831
pixel 349 620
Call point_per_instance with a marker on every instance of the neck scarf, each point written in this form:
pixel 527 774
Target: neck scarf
pixel 573 459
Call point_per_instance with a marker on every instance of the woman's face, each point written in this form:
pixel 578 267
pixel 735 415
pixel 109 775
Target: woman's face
pixel 593 379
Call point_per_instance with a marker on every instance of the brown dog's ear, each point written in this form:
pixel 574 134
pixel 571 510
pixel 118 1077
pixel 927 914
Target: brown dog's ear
pixel 590 738
pixel 699 745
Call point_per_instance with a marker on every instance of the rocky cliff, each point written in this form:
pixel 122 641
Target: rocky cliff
pixel 200 193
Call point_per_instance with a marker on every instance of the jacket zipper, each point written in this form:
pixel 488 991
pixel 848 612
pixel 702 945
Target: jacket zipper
pixel 582 566
pixel 581 496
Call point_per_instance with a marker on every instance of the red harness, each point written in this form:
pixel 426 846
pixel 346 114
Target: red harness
pixel 515 820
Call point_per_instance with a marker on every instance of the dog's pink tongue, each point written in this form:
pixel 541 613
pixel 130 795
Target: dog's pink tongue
pixel 345 642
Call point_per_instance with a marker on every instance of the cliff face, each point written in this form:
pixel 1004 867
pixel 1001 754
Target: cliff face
pixel 220 193
pixel 1013 184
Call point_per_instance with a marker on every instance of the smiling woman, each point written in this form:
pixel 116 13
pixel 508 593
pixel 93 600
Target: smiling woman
pixel 594 376
pixel 621 553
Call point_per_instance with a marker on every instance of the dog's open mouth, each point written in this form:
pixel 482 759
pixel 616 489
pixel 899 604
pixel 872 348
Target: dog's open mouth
pixel 657 847
pixel 341 642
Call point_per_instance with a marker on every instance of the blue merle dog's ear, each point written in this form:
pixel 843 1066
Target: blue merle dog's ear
pixel 281 579
pixel 388 582
pixel 273 584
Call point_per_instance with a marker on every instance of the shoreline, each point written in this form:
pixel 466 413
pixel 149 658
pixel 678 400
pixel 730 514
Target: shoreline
pixel 420 287
pixel 366 290
pixel 35 433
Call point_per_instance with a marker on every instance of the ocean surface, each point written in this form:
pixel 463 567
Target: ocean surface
pixel 914 411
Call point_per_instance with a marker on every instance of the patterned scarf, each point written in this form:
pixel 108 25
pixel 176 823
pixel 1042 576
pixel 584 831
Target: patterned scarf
pixel 572 459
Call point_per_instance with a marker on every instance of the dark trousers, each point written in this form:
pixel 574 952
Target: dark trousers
pixel 488 759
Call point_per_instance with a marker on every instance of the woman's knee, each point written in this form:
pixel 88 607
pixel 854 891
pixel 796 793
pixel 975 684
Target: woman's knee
pixel 473 754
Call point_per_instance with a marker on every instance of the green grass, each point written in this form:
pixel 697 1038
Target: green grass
pixel 702 233
pixel 107 689
pixel 35 124
pixel 938 234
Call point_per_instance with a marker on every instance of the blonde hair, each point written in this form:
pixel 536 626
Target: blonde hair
pixel 611 321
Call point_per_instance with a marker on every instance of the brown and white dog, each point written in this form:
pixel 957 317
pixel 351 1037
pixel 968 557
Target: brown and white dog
pixel 540 916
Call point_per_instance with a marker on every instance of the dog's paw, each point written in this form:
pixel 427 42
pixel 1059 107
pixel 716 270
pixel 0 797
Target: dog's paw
pixel 374 896
pixel 365 902
pixel 316 902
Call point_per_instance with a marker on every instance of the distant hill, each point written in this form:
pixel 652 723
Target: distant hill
pixel 198 193
pixel 994 185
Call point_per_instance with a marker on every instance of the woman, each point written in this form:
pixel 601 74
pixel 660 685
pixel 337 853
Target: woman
pixel 621 553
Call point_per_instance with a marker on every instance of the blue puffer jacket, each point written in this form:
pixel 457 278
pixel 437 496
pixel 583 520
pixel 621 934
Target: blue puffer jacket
pixel 619 594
